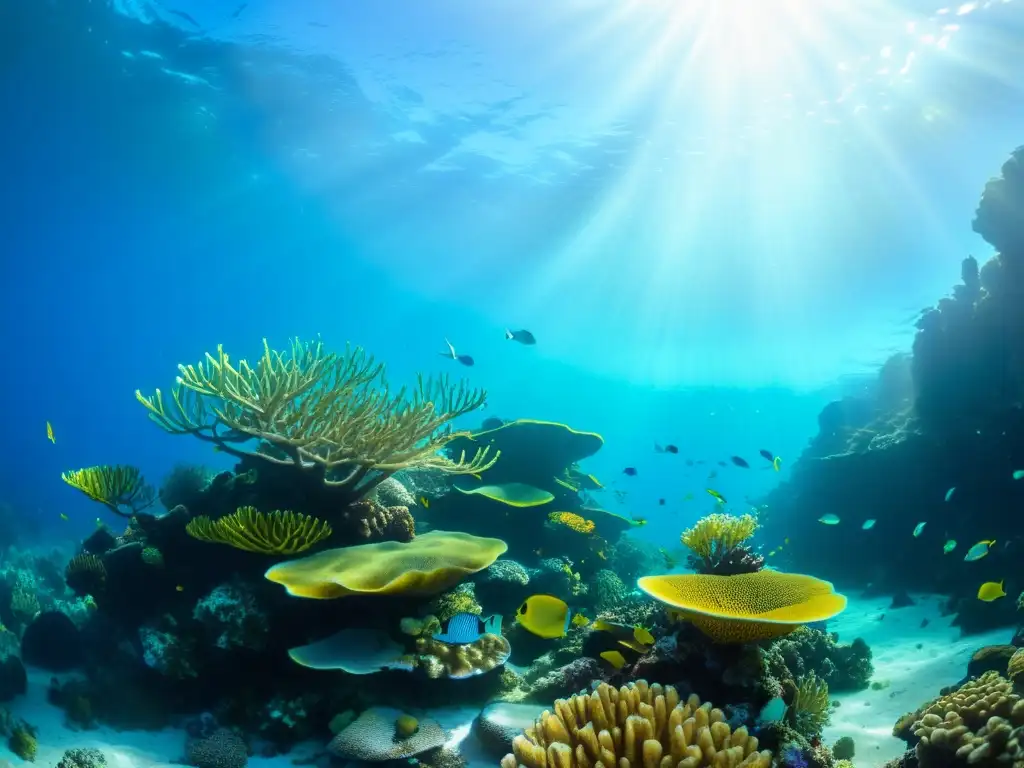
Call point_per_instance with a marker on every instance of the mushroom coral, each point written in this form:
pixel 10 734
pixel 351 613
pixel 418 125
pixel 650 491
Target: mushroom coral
pixel 747 606
pixel 637 725
pixel 428 564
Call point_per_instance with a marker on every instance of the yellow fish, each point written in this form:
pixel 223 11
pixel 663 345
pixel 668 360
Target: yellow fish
pixel 717 496
pixel 180 588
pixel 614 658
pixel 580 620
pixel 564 484
pixel 595 481
pixel 64 517
pixel 638 521
pixel 424 502
pixel 624 635
pixel 776 463
pixel 544 616
pixel 49 433
pixel 600 553
pixel 642 635
pixel 991 590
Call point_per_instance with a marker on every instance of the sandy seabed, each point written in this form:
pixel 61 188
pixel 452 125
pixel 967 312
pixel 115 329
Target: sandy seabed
pixel 911 662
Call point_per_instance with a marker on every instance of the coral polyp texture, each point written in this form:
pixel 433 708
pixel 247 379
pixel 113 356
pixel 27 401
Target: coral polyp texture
pixel 327 415
pixel 718 544
pixel 638 725
pixel 273 533
pixel 572 521
pixel 428 564
pixel 746 607
pixel 121 489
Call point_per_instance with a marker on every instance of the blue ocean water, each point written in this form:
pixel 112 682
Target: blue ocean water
pixel 712 219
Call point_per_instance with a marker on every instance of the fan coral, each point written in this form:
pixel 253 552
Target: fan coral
pixel 572 520
pixel 718 545
pixel 114 487
pixel 636 725
pixel 86 575
pixel 330 417
pixel 277 533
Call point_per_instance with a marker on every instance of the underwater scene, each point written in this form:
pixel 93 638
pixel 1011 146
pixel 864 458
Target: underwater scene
pixel 478 383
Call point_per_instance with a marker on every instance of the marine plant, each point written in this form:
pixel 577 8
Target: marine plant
pixel 718 545
pixel 115 487
pixel 22 741
pixel 810 708
pixel 329 416
pixel 274 533
pixel 636 725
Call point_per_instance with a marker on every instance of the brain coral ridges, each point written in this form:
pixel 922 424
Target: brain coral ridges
pixel 638 725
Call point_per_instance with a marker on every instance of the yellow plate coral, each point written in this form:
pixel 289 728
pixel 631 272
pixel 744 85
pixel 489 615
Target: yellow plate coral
pixel 747 606
pixel 428 564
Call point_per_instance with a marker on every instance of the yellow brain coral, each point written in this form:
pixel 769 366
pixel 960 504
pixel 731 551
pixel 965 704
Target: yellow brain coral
pixel 747 606
pixel 428 564
pixel 638 726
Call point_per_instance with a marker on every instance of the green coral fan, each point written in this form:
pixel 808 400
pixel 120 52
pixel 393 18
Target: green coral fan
pixel 810 708
pixel 329 416
pixel 22 741
pixel 115 487
pixel 276 533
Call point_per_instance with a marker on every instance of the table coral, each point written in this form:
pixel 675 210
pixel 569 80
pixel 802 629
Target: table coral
pixel 636 725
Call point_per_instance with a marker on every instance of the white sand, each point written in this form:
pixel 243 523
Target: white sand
pixel 914 674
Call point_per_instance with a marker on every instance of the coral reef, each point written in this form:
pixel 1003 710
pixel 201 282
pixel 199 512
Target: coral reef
pixel 811 651
pixel 718 545
pixel 274 533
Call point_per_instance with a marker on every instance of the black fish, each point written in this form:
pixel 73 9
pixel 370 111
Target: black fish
pixel 185 16
pixel 238 10
pixel 739 461
pixel 522 336
pixel 661 502
pixel 767 454
pixel 464 359
pixel 666 449
pixel 631 471
pixel 924 623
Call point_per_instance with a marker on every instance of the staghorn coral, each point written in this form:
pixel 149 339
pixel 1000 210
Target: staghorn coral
pixel 375 522
pixel 427 565
pixel 572 521
pixel 439 659
pixel 746 607
pixel 636 725
pixel 809 710
pixel 331 417
pixel 718 545
pixel 115 487
pixel 86 575
pixel 276 533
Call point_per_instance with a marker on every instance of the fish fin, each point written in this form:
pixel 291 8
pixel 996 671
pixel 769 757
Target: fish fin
pixel 509 335
pixel 451 350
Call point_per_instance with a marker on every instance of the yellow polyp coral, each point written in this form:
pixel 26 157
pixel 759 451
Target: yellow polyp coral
pixel 121 489
pixel 572 521
pixel 635 726
pixel 428 564
pixel 978 724
pixel 747 606
pixel 329 416
pixel 717 533
pixel 276 533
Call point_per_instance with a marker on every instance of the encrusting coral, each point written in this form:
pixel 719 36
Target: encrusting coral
pixel 573 521
pixel 978 724
pixel 748 606
pixel 115 487
pixel 717 542
pixel 329 416
pixel 456 661
pixel 276 533
pixel 638 725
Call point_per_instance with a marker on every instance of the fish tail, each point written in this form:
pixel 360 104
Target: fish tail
pixel 509 335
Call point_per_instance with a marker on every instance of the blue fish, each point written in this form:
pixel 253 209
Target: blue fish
pixel 465 628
